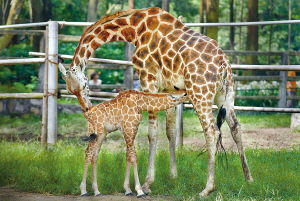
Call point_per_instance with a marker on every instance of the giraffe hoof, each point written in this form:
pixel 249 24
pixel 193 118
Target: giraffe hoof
pixel 84 195
pixel 129 194
pixel 99 194
pixel 141 196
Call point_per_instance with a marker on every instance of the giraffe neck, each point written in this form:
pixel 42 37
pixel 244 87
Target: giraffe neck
pixel 84 102
pixel 118 27
pixel 155 102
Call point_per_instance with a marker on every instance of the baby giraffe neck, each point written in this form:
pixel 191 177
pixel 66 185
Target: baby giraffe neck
pixel 154 103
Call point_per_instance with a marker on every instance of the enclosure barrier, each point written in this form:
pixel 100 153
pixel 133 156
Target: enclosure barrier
pixel 50 60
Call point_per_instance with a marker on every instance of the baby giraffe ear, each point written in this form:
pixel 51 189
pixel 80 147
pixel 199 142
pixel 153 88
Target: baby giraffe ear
pixel 171 96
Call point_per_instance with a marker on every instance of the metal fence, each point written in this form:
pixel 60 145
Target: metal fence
pixel 50 58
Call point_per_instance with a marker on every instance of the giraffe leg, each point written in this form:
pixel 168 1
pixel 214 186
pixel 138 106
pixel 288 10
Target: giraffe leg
pixel 153 133
pixel 99 141
pixel 204 112
pixel 129 132
pixel 127 176
pixel 171 134
pixel 86 166
pixel 235 127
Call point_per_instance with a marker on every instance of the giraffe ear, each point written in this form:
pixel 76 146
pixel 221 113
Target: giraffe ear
pixel 81 66
pixel 62 69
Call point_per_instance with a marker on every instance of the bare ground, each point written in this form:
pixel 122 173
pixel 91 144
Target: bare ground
pixel 276 138
pixel 11 194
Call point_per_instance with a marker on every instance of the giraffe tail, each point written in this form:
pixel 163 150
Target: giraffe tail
pixel 220 120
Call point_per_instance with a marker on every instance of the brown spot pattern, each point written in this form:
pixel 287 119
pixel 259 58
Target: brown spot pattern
pixel 178 25
pixel 136 18
pixel 145 38
pixel 141 29
pixel 121 22
pixel 82 51
pixel 88 39
pixel 167 62
pixel 207 58
pixel 164 46
pixel 152 23
pixel 129 34
pixel 171 53
pixel 112 27
pixel 200 46
pixel 167 18
pixel 153 11
pixel 97 30
pixel 143 52
pixel 165 29
pixel 176 63
pixel 103 36
pixel 178 45
pixel 94 45
pixel 154 42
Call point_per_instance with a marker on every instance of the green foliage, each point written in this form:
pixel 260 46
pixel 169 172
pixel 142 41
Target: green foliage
pixel 60 171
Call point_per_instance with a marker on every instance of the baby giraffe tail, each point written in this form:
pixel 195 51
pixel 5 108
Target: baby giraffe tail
pixel 220 120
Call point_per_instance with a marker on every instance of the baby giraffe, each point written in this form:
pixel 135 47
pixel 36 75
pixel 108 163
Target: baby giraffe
pixel 123 113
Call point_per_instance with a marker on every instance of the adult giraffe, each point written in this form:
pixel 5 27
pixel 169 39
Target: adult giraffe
pixel 170 54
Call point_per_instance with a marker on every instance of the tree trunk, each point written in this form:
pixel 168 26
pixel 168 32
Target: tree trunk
pixel 201 10
pixel 240 33
pixel 271 31
pixel 232 30
pixel 14 12
pixel 212 15
pixel 165 5
pixel 36 16
pixel 4 10
pixel 92 11
pixel 92 17
pixel 252 35
pixel 47 10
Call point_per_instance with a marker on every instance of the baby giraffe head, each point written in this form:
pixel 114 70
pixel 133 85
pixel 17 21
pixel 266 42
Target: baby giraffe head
pixel 179 95
pixel 77 84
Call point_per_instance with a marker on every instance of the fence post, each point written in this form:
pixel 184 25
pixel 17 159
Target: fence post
pixel 45 97
pixel 52 82
pixel 179 121
pixel 128 72
pixel 283 74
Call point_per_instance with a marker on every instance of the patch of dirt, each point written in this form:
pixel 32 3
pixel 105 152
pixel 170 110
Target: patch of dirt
pixel 277 138
pixel 11 194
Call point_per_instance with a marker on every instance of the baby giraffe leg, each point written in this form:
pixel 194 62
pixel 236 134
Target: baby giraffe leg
pixel 129 135
pixel 88 158
pixel 99 140
pixel 127 176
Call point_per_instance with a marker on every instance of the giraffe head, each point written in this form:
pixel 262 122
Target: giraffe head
pixel 77 84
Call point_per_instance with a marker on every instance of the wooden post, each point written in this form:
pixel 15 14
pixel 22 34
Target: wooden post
pixel 128 72
pixel 52 82
pixel 283 74
pixel 45 95
pixel 179 121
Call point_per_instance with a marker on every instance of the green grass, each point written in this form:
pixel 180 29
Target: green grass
pixel 27 167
